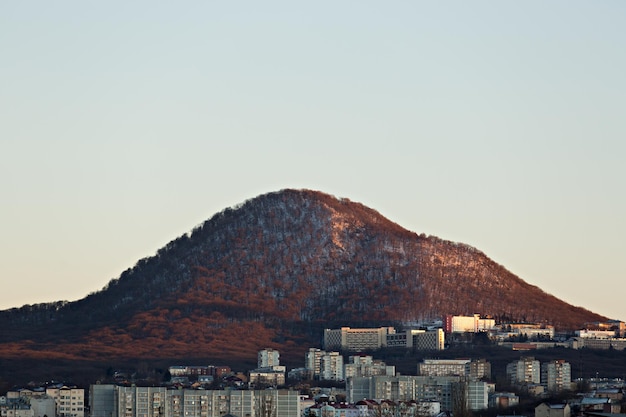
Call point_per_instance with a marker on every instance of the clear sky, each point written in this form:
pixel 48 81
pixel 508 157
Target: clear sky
pixel 124 124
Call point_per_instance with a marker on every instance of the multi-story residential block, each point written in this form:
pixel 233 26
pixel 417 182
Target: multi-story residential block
pixel 324 365
pixel 418 339
pixel 312 361
pixel 480 369
pixel 102 400
pixel 42 406
pixel 590 343
pixel 556 376
pixel 159 402
pixel 474 369
pixel 526 370
pixel 595 334
pixel 197 371
pixel 331 367
pixel 35 403
pixel 356 340
pixel 506 331
pixel 444 367
pixel 70 401
pixel 266 376
pixel 15 406
pixel 477 395
pixel 365 365
pixel 441 389
pixel 268 357
pixel 471 324
pixel 617 326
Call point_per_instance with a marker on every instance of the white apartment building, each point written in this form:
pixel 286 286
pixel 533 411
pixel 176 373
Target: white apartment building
pixel 70 401
pixel 471 324
pixel 331 367
pixel 477 395
pixel 268 358
pixel 267 376
pixel 526 370
pixel 356 340
pixel 312 361
pixel 596 334
pixel 444 367
pixel 159 402
pixel 437 389
pixel 591 343
pixel 556 376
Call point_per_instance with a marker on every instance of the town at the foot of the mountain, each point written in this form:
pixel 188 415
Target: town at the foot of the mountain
pixel 459 366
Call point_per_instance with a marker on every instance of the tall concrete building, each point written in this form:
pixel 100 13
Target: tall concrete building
pixel 556 376
pixel 159 402
pixel 268 358
pixel 312 361
pixel 418 339
pixel 356 340
pixel 102 400
pixel 365 365
pixel 331 367
pixel 471 324
pixel 444 367
pixel 70 401
pixel 441 389
pixel 526 370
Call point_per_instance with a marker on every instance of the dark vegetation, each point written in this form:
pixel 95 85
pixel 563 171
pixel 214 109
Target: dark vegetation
pixel 274 272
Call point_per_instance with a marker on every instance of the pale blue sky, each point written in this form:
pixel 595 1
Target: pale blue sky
pixel 498 124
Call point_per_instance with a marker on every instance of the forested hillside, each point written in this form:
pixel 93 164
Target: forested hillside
pixel 273 272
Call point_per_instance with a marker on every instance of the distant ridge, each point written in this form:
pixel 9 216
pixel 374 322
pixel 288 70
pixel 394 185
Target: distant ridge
pixel 273 272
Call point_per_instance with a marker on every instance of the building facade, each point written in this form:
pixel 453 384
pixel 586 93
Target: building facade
pixel 160 402
pixel 465 324
pixel 331 367
pixel 365 365
pixel 444 367
pixel 429 389
pixel 356 340
pixel 526 370
pixel 268 358
pixel 556 376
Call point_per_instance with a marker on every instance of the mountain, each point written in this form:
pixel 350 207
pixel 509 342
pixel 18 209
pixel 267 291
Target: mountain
pixel 274 272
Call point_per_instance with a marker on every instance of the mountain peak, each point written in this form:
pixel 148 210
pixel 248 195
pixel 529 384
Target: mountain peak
pixel 283 265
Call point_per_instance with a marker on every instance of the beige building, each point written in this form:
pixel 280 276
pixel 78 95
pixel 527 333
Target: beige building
pixel 356 340
pixel 552 410
pixel 70 401
pixel 471 324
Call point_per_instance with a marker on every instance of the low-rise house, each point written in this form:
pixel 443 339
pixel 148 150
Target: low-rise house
pixel 552 410
pixel 503 400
